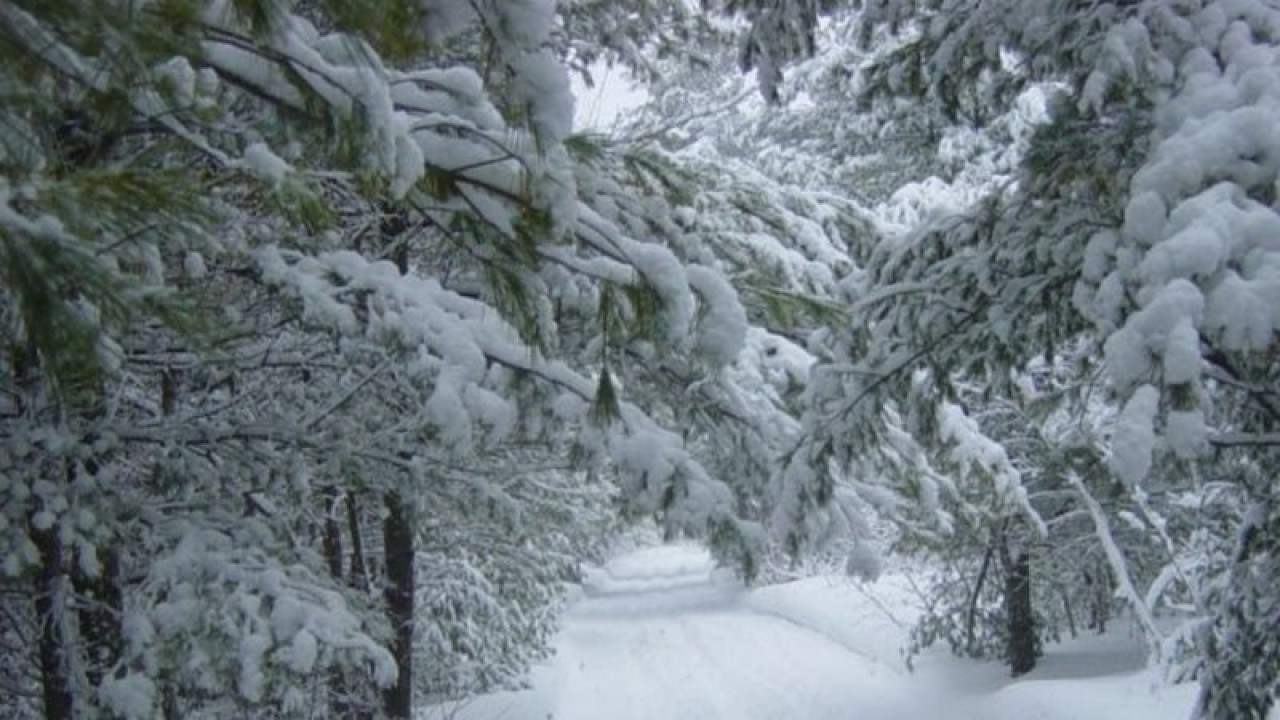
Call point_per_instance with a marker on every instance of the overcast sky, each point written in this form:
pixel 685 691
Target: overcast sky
pixel 599 107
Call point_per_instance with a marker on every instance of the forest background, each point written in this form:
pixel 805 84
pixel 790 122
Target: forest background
pixel 331 348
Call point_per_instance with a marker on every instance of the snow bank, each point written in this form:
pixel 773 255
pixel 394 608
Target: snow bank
pixel 1127 697
pixel 870 619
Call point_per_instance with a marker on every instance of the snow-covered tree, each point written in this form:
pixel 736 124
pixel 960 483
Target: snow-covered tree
pixel 1151 244
pixel 299 295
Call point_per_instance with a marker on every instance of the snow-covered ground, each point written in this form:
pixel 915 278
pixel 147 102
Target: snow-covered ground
pixel 659 634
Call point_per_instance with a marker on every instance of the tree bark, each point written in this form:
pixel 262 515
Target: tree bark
pixel 340 701
pixel 359 571
pixel 1022 629
pixel 100 598
pixel 169 709
pixel 50 604
pixel 971 611
pixel 1099 597
pixel 1069 612
pixel 397 539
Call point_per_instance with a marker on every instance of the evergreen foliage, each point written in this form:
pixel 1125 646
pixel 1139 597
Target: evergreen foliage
pixel 318 367
pixel 331 349
pixel 1127 234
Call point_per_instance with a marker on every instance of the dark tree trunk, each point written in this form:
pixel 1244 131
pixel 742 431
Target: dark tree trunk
pixel 1022 628
pixel 169 703
pixel 50 603
pixel 348 702
pixel 359 572
pixel 340 700
pixel 100 599
pixel 971 611
pixel 1069 612
pixel 397 539
pixel 1099 598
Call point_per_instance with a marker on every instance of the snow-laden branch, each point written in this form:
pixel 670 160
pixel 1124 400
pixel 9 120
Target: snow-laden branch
pixel 1241 439
pixel 1120 569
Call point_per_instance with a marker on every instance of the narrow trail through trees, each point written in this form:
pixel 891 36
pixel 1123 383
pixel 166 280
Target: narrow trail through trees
pixel 660 634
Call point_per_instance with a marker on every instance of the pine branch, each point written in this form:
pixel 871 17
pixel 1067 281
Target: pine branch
pixel 929 348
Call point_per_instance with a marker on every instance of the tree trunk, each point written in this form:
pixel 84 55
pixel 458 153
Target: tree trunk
pixel 1022 629
pixel 100 598
pixel 169 703
pixel 397 540
pixel 1068 610
pixel 397 531
pixel 340 702
pixel 1100 594
pixel 359 571
pixel 50 603
pixel 971 611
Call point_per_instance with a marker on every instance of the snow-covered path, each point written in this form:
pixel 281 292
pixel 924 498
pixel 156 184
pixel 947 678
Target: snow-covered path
pixel 652 644
pixel 660 635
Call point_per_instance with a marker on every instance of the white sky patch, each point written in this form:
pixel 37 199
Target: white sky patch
pixel 601 107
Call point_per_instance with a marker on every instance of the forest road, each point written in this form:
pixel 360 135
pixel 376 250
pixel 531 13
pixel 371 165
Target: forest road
pixel 661 635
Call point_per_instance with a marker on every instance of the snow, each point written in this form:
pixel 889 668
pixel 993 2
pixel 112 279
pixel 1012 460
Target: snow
pixel 456 94
pixel 252 648
pixel 1097 255
pixel 27 29
pixel 1241 314
pixel 1194 216
pixel 1145 217
pixel 458 338
pixel 250 68
pixel 1119 568
pixel 266 164
pixel 1134 438
pixel 663 270
pixel 661 633
pixel 131 696
pixel 972 450
pixel 1187 433
pixel 663 630
pixel 446 411
pixel 181 78
pixel 1182 354
pixel 303 651
pixel 194 266
pixel 722 329
pixel 542 82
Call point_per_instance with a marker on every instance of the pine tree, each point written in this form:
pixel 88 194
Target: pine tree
pixel 277 259
pixel 1138 248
